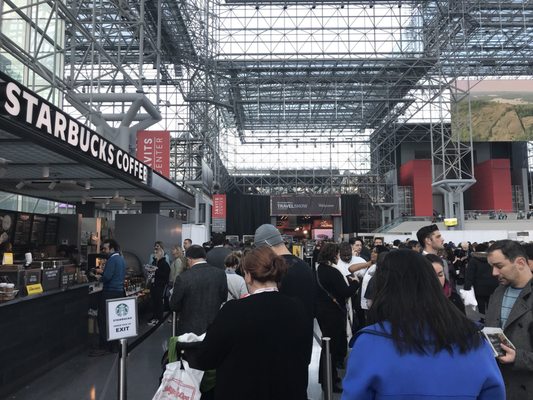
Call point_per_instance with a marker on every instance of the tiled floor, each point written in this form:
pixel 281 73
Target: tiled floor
pixel 88 378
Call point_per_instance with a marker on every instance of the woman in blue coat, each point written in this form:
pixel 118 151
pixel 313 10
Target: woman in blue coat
pixel 419 346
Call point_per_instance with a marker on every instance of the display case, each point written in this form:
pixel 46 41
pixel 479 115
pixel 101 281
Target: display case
pixel 12 274
pixel 32 276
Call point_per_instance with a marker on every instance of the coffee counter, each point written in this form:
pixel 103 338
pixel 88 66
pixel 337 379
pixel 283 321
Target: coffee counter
pixel 53 292
pixel 38 332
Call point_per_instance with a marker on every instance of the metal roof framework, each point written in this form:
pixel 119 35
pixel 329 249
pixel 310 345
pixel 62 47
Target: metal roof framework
pixel 229 77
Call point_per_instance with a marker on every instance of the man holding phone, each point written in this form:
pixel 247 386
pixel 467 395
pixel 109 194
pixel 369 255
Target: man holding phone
pixel 511 308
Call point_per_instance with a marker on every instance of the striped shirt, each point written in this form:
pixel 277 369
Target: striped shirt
pixel 509 298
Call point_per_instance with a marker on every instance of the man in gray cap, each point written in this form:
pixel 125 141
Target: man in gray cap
pixel 298 282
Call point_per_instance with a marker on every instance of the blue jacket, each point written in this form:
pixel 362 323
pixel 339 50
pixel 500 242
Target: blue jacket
pixel 376 370
pixel 114 272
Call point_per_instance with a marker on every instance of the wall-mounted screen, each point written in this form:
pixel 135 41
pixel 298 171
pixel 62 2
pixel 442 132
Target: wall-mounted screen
pixel 322 234
pixel 502 111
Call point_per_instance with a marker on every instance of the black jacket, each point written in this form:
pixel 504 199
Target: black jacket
pixel 299 283
pixel 257 346
pixel 162 273
pixel 479 275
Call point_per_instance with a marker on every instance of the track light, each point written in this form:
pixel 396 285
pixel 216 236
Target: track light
pixel 46 171
pixel 20 185
pixel 133 201
pixel 116 195
pixel 52 185
pixel 103 206
pixel 87 185
pixel 83 201
pixel 107 201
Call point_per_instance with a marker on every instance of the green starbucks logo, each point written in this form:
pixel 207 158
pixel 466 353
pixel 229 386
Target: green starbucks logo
pixel 122 310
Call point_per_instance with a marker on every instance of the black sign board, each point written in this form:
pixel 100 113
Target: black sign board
pixel 50 233
pixel 50 278
pixel 22 229
pixel 305 205
pixel 37 230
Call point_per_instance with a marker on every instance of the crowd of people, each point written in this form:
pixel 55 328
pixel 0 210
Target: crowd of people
pixel 399 328
pixel 397 304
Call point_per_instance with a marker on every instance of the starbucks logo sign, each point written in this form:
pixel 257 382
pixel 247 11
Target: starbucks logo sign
pixel 122 310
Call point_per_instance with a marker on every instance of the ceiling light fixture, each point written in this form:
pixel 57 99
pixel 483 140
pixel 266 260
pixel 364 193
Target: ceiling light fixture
pixel 46 171
pixel 52 185
pixel 20 185
pixel 133 201
pixel 83 201
pixel 116 195
pixel 87 185
pixel 107 201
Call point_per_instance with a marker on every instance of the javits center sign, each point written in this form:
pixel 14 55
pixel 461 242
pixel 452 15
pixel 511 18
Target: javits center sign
pixel 153 149
pixel 305 205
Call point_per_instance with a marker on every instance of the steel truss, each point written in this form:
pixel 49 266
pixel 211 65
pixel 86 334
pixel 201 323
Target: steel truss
pixel 275 88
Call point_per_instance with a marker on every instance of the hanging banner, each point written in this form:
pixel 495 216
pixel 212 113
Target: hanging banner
pixel 153 149
pixel 218 213
pixel 305 205
pixel 219 206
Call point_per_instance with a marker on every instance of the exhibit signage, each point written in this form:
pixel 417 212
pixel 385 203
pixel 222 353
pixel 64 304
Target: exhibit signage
pixel 153 149
pixel 305 205
pixel 22 104
pixel 121 318
pixel 219 206
pixel 218 213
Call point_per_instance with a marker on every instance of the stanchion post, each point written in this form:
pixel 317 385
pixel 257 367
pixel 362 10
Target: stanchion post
pixel 122 386
pixel 328 379
pixel 174 317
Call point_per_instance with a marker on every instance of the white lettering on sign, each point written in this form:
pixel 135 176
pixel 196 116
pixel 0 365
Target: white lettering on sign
pixel 35 111
pixel 121 318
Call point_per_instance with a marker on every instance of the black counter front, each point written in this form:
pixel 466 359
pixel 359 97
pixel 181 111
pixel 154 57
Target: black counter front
pixel 38 332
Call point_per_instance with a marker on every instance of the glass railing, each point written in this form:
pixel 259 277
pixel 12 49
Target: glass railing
pixel 400 220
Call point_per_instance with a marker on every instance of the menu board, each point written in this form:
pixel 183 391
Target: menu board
pixel 50 233
pixel 22 230
pixel 7 225
pixel 37 229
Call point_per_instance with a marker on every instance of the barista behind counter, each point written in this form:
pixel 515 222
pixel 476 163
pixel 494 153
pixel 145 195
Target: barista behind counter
pixel 112 277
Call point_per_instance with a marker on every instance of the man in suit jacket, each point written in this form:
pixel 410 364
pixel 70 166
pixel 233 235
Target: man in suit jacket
pixel 198 293
pixel 510 308
pixel 218 253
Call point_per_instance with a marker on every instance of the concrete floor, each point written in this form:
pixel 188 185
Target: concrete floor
pixel 95 378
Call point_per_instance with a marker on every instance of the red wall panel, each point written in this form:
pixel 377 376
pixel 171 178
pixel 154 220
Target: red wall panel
pixel 492 191
pixel 417 174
